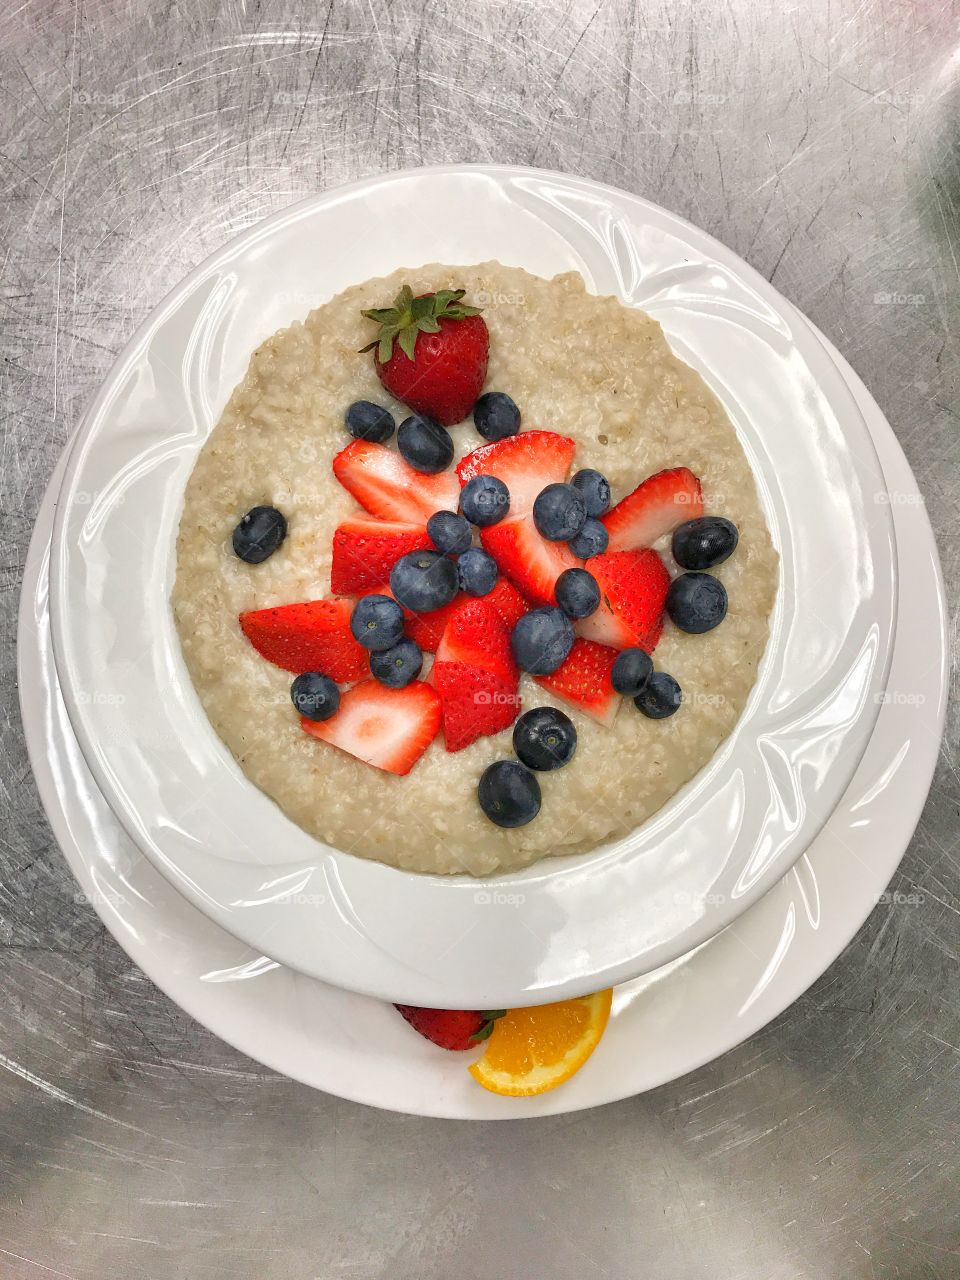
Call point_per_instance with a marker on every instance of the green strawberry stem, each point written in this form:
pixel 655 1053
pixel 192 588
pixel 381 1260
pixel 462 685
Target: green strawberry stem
pixel 410 316
pixel 489 1018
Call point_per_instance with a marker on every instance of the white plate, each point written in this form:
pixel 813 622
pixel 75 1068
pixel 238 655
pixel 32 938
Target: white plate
pixel 564 926
pixel 663 1025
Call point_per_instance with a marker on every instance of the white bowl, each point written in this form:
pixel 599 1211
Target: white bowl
pixel 564 926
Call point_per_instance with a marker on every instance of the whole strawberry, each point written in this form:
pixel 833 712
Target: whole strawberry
pixel 431 352
pixel 451 1028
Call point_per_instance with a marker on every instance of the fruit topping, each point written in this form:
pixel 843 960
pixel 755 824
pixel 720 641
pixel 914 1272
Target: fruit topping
pixel 526 463
pixel 475 675
pixel 544 738
pixel 508 602
pixel 655 507
pixel 368 421
pixel 425 444
pixel 377 622
pixel 364 552
pixel 476 636
pixel 697 602
pixel 449 532
pixel 388 488
pixel 660 697
pixel 559 513
pixel 477 572
pixel 427 628
pixel 541 640
pixel 631 671
pixel 315 695
pixel 583 680
pixel 577 592
pixel 259 534
pixel 496 416
pixel 702 543
pixel 387 728
pixel 594 489
pixel 485 500
pixel 396 667
pixel 509 793
pixel 531 563
pixel 314 636
pixel 633 587
pixel 592 540
pixel 431 352
pixel 424 580
pixel 451 1028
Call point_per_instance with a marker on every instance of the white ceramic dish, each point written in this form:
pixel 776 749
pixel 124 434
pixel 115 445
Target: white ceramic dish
pixel 664 1024
pixel 564 926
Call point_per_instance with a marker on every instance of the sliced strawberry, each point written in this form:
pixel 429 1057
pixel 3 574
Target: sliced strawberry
pixel 477 636
pixel 526 463
pixel 427 628
pixel 583 679
pixel 314 636
pixel 388 728
pixel 475 702
pixel 387 487
pixel 633 588
pixel 531 563
pixel 508 602
pixel 365 550
pixel 654 508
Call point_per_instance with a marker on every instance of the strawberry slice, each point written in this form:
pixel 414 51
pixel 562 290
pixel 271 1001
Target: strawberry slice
pixel 387 487
pixel 475 702
pixel 427 628
pixel 583 679
pixel 508 602
pixel 532 563
pixel 477 636
pixel 388 728
pixel 365 550
pixel 526 463
pixel 633 589
pixel 314 636
pixel 654 508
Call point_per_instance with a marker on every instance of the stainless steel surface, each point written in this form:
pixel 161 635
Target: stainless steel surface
pixel 821 142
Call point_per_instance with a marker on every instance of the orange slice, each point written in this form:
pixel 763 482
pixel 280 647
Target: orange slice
pixel 533 1050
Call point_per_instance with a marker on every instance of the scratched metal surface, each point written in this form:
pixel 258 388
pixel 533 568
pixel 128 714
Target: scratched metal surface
pixel 818 140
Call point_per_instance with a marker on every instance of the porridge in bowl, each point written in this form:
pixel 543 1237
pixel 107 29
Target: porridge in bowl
pixel 537 671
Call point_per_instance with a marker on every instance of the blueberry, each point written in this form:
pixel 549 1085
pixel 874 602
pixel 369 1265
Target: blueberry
pixel 558 512
pixel 376 622
pixel 594 489
pixel 449 532
pixel 495 415
pixel 368 421
pixel 477 572
pixel 631 671
pixel 258 534
pixel 544 738
pixel 509 794
pixel 484 500
pixel 577 592
pixel 426 445
pixel 700 544
pixel 396 667
pixel 697 602
pixel 424 580
pixel 315 695
pixel 541 640
pixel 591 540
pixel 660 697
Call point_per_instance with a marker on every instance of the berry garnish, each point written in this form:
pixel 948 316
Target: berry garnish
pixel 592 540
pixel 631 671
pixel 315 695
pixel 431 352
pixel 541 640
pixel 697 602
pixel 449 532
pixel 368 421
pixel 477 572
pixel 388 488
pixel 387 728
pixel 259 534
pixel 424 580
pixel 544 738
pixel 376 622
pixel 365 550
pixel 314 636
pixel 594 489
pixel 531 563
pixel 485 500
pixel 577 593
pixel 700 544
pixel 558 512
pixel 509 793
pixel 633 586
pixel 654 508
pixel 660 697
pixel 583 680
pixel 475 674
pixel 455 1029
pixel 396 667
pixel 526 463
pixel 496 416
pixel 424 444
